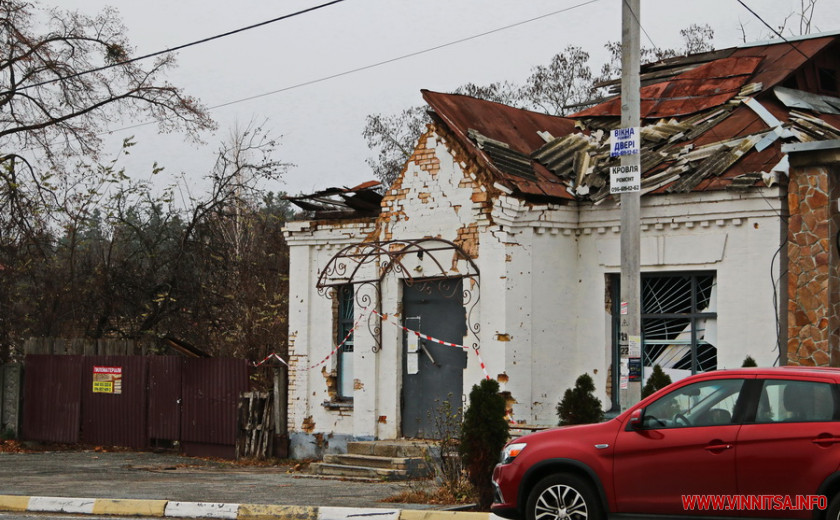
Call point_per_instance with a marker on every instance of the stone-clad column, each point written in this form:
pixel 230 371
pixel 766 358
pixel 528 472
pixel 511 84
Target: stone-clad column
pixel 813 254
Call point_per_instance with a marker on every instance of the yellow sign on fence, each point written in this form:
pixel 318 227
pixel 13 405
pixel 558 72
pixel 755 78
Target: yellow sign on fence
pixel 107 380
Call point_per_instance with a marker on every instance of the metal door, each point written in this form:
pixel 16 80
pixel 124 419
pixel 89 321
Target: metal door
pixel 432 373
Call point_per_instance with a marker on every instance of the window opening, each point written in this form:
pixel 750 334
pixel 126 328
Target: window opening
pixel 679 324
pixel 345 353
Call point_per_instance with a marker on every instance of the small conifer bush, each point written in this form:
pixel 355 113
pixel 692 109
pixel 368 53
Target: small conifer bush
pixel 483 435
pixel 658 379
pixel 749 362
pixel 579 404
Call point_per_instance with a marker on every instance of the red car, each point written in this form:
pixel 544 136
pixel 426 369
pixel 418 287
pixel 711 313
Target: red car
pixel 751 442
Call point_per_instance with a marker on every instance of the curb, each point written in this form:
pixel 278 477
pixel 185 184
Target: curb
pixel 175 509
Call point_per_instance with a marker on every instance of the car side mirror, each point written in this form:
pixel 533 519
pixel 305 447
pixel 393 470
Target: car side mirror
pixel 635 421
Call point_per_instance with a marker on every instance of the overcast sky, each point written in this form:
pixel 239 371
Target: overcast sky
pixel 321 123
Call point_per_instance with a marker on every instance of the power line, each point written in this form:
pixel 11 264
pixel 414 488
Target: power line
pixel 777 33
pixel 183 46
pixel 381 63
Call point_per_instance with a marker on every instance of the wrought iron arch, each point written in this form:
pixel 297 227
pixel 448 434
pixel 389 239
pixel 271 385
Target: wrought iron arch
pixel 366 264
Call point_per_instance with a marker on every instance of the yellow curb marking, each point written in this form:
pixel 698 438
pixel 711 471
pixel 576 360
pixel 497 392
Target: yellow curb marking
pixel 260 511
pixel 125 507
pixel 13 503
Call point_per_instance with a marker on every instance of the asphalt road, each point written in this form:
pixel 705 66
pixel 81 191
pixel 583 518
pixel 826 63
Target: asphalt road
pixel 145 475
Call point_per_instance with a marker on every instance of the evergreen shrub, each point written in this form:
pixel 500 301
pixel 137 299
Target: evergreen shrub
pixel 483 435
pixel 579 404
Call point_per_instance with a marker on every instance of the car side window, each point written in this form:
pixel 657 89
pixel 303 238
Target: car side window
pixel 706 403
pixel 783 400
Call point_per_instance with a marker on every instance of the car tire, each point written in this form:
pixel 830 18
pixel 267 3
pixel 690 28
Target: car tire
pixel 563 497
pixel 833 510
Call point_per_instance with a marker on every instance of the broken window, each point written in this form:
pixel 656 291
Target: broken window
pixel 679 324
pixel 345 321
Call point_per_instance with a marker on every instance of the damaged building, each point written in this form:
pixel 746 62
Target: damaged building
pixel 496 251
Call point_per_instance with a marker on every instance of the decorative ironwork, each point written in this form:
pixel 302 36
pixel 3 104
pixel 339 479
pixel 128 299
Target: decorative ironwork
pixel 473 326
pixel 366 264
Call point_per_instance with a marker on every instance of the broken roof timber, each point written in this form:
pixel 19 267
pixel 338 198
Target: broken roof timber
pixel 363 200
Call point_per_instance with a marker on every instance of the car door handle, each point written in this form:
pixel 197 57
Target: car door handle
pixel 826 439
pixel 718 446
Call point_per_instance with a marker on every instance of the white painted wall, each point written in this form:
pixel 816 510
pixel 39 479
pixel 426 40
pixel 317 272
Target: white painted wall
pixel 542 312
pixel 311 246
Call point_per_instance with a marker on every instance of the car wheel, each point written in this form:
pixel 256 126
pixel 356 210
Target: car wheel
pixel 833 510
pixel 563 497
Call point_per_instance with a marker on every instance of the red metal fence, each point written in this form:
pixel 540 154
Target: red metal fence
pixel 133 401
pixel 52 396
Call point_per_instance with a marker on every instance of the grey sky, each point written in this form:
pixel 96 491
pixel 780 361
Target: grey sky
pixel 321 124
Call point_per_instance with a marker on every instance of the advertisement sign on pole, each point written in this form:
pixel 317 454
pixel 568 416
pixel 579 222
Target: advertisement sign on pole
pixel 625 179
pixel 625 141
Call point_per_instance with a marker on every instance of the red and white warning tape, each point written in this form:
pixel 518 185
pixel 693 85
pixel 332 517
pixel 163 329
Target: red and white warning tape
pixel 335 350
pixel 419 334
pixel 331 354
pixel 384 317
pixel 273 355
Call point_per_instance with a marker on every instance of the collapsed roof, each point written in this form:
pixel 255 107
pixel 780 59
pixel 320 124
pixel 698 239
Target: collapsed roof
pixel 340 203
pixel 711 121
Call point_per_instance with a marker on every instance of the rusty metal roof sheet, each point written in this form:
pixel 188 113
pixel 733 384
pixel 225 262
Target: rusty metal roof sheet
pixel 709 85
pixel 516 127
pixel 503 137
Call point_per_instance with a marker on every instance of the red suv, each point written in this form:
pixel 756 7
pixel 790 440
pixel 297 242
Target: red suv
pixel 756 442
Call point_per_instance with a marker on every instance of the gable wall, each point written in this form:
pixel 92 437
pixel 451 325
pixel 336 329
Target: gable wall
pixel 438 195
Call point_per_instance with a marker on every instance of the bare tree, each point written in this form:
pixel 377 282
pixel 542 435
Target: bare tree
pixel 806 15
pixel 696 39
pixel 503 92
pixel 130 262
pixel 566 81
pixel 393 138
pixel 59 89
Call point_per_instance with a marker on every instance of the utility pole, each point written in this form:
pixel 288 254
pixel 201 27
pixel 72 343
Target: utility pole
pixel 631 322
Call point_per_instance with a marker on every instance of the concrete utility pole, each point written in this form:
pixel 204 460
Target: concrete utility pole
pixel 631 321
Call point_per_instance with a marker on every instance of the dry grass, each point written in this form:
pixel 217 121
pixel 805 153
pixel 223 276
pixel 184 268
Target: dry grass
pixel 442 495
pixel 12 446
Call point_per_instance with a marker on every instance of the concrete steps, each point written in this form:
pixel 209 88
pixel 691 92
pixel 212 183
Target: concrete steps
pixel 378 460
